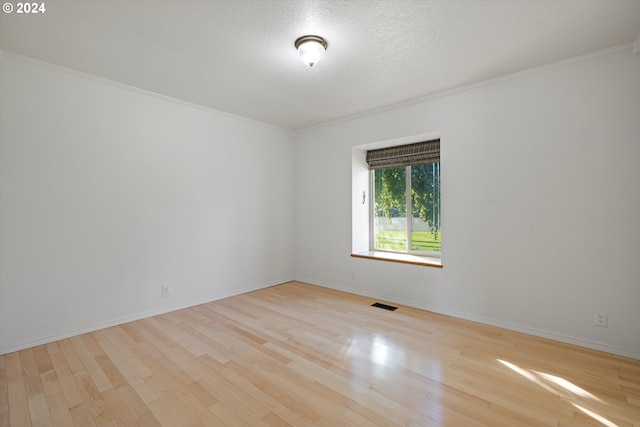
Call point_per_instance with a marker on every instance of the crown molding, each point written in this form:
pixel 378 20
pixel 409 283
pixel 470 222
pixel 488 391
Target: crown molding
pixel 87 76
pixel 465 88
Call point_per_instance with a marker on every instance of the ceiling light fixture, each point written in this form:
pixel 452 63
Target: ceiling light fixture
pixel 311 49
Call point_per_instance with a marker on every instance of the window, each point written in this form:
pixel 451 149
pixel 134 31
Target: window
pixel 405 203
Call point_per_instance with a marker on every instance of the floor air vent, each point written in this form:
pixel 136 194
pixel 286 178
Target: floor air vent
pixel 385 306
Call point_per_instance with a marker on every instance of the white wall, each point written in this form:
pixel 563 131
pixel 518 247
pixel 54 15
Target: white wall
pixel 541 203
pixel 106 193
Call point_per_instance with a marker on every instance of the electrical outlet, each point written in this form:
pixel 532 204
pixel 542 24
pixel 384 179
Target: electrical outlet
pixel 601 319
pixel 353 275
pixel 166 290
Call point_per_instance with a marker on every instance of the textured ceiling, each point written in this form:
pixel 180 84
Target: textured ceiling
pixel 238 55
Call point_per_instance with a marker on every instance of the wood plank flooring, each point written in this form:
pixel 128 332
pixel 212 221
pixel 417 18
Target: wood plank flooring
pixel 302 355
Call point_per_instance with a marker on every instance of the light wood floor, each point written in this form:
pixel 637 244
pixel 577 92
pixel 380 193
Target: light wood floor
pixel 301 355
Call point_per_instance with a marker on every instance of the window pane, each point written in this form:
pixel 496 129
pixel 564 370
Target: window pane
pixel 425 208
pixel 390 220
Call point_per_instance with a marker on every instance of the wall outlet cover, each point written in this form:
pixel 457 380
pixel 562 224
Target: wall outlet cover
pixel 601 319
pixel 166 290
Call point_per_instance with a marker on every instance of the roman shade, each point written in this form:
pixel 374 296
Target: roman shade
pixel 404 155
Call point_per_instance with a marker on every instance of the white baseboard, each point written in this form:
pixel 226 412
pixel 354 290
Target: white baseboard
pixel 479 319
pixel 514 327
pixel 137 316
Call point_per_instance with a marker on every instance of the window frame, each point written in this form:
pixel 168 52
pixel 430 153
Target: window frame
pixel 409 218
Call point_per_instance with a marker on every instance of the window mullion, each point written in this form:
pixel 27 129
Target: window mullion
pixel 409 212
pixel 372 213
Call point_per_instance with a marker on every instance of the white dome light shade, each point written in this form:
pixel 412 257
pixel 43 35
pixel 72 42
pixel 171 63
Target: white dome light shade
pixel 311 49
pixel 311 52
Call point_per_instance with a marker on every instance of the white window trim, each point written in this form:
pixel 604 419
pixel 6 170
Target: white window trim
pixel 361 214
pixel 409 220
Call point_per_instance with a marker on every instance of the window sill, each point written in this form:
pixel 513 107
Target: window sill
pixel 403 258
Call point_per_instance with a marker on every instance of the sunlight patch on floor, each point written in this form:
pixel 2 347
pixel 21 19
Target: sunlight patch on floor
pixel 569 386
pixel 595 416
pixel 528 375
pixel 557 385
